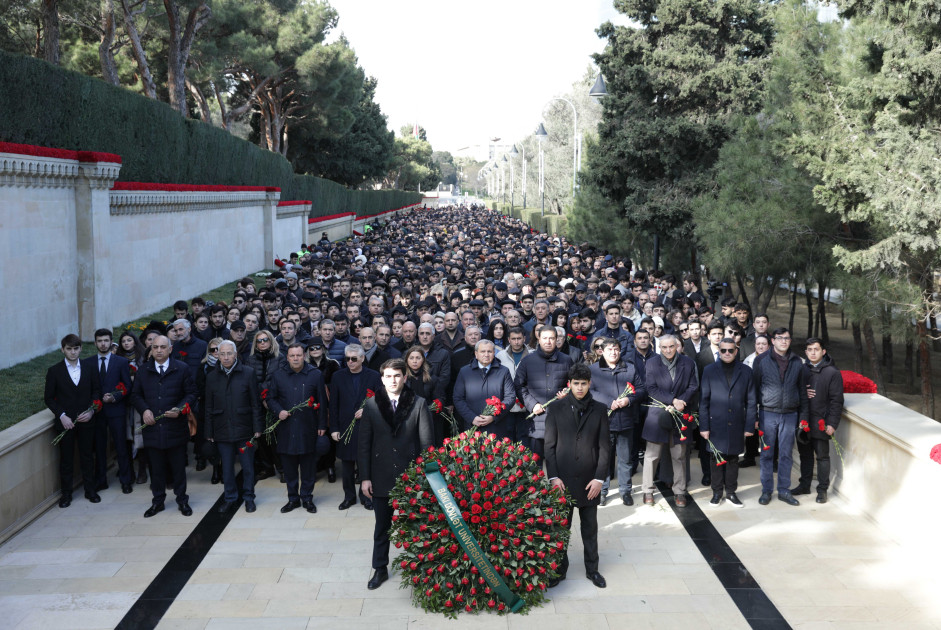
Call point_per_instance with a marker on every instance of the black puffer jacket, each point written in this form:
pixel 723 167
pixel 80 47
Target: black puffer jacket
pixel 264 366
pixel 827 404
pixel 233 404
pixel 777 395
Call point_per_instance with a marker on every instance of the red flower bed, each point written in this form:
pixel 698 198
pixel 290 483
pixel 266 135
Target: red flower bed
pixel 63 154
pixel 149 186
pixel 856 383
pixel 509 506
pixel 294 203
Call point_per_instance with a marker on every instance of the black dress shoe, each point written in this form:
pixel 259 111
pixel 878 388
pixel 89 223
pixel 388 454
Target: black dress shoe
pixel 127 488
pixel 707 480
pixel 367 504
pixel 281 478
pixel 787 498
pixel 65 502
pixel 821 496
pixel 747 462
pixel 250 506
pixel 597 579
pixel 347 504
pixel 216 475
pixel 101 486
pixel 764 499
pixel 331 475
pixel 555 581
pixel 627 499
pixel 604 499
pixel 263 474
pixel 154 509
pixel 225 507
pixel 141 476
pixel 185 509
pixel 200 465
pixel 290 506
pixel 380 576
pixel 800 490
pixel 93 497
pixel 310 507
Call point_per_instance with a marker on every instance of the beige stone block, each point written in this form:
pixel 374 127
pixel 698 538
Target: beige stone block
pixel 314 608
pixel 236 576
pixel 287 560
pixel 603 604
pixel 209 609
pixel 285 590
pixel 140 569
pixel 396 622
pixel 182 624
pixel 238 591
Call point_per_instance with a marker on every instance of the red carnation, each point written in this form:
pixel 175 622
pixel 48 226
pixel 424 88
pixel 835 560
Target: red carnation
pixel 822 424
pixel 264 394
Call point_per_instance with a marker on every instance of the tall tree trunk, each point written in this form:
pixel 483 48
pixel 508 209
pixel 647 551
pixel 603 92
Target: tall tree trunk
pixel 857 348
pixel 909 367
pixel 766 298
pixel 130 10
pixel 741 289
pixel 178 49
pixel 888 358
pixel 790 322
pixel 927 391
pixel 810 309
pixel 50 28
pixel 204 113
pixel 873 357
pixel 109 69
pixel 822 314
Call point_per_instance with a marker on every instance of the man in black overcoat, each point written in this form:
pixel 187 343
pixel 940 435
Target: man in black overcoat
pixel 162 387
pixel 113 370
pixel 396 427
pixel 70 390
pixel 577 450
pixel 298 432
pixel 728 412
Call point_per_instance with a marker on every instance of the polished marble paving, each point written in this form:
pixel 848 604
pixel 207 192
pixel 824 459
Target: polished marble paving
pixel 810 567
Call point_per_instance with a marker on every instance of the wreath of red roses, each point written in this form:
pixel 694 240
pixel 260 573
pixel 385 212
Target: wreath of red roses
pixel 509 506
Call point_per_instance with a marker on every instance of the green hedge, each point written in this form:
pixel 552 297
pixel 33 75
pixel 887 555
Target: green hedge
pixel 44 105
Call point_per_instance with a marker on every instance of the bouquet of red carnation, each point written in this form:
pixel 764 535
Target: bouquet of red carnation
pixel 438 407
pixel 494 407
pixel 720 461
pixel 309 403
pixel 628 391
pixel 804 426
pixel 184 411
pixel 348 434
pixel 679 419
pixel 120 389
pixel 133 369
pixel 822 425
pixel 510 509
pixel 94 408
pixel 761 438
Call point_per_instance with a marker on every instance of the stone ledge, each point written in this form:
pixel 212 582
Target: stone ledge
pixel 158 202
pixel 29 171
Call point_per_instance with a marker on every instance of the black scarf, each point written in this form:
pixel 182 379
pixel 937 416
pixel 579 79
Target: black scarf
pixel 580 406
pixel 395 419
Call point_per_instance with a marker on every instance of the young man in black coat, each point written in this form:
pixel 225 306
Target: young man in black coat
pixel 728 412
pixel 234 416
pixel 396 427
pixel 162 387
pixel 113 371
pixel 70 390
pixel 825 397
pixel 577 450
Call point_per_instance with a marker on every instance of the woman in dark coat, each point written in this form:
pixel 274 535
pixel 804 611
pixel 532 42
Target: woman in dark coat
pixel 418 379
pixel 264 359
pixel 609 378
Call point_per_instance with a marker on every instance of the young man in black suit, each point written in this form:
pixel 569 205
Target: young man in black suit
pixel 113 371
pixel 70 391
pixel 577 450
pixel 395 428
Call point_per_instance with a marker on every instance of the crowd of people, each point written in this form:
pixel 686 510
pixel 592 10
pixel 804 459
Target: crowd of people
pixel 369 349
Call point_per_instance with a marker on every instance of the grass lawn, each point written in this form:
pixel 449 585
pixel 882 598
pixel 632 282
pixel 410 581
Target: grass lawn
pixel 21 386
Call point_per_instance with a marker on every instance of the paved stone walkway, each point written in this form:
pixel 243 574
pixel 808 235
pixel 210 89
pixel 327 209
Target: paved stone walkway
pixel 823 567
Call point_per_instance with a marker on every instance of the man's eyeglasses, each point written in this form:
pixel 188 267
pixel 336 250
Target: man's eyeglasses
pixel 684 328
pixel 727 350
pixel 352 359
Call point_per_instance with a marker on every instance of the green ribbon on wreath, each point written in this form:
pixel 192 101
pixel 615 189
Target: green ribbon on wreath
pixel 452 513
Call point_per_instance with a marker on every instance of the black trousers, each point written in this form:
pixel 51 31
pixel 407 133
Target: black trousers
pixel 819 449
pixel 348 477
pixel 588 518
pixel 724 476
pixel 164 461
pixel 307 464
pixel 752 447
pixel 380 537
pixel 117 427
pixel 83 434
pixel 515 426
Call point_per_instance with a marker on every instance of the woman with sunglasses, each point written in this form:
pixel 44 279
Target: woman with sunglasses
pixel 131 348
pixel 263 359
pixel 209 362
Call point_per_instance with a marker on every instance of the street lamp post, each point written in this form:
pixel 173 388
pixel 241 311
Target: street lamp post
pixel 503 179
pixel 512 184
pixel 514 153
pixel 541 135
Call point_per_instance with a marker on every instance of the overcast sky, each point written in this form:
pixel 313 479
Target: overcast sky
pixel 470 71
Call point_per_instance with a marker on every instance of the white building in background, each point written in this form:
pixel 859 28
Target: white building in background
pixel 483 152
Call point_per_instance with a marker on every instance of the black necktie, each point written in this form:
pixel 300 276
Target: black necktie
pixel 395 404
pixel 161 370
pixel 103 370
